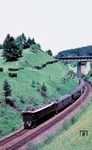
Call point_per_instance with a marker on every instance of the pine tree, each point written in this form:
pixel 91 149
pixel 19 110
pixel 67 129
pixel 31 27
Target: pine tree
pixel 33 41
pixel 11 50
pixel 21 41
pixel 43 87
pixel 28 43
pixel 7 89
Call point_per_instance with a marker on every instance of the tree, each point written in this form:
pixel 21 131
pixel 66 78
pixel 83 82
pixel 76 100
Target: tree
pixel 43 87
pixel 24 40
pixel 1 46
pixel 33 41
pixel 28 42
pixel 21 41
pixel 11 50
pixel 49 52
pixel 7 89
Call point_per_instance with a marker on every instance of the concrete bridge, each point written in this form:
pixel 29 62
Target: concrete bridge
pixel 78 59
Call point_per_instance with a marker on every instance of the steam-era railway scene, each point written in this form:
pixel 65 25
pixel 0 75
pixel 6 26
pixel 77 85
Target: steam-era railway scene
pixel 39 95
pixel 74 99
pixel 45 75
pixel 39 111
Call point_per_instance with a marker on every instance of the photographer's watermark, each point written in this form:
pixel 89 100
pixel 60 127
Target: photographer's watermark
pixel 83 132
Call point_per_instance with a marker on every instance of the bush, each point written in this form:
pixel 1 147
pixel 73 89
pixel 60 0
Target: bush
pixel 12 74
pixel 22 101
pixel 74 120
pixel 1 46
pixel 58 88
pixel 33 83
pixel 66 125
pixel 6 89
pixel 13 69
pixel 43 87
pixel 10 102
pixel 37 67
pixel 49 52
pixel 1 69
pixel 43 65
pixel 21 68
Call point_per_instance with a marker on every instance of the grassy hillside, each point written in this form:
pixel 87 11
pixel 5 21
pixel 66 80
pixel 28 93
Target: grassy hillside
pixel 26 86
pixel 69 138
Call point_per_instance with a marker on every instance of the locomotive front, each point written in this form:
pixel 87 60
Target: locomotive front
pixel 27 119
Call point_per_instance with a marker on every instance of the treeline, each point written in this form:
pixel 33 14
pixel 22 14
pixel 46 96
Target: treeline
pixel 82 51
pixel 47 63
pixel 13 47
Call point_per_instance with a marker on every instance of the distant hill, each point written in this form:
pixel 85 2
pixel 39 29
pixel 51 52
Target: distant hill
pixel 82 51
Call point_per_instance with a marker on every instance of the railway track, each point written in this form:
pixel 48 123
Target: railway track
pixel 15 141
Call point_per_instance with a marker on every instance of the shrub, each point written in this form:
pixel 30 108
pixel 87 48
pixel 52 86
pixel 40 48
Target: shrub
pixel 21 68
pixel 65 125
pixel 43 65
pixel 13 69
pixel 38 89
pixel 7 89
pixel 49 138
pixel 1 69
pixel 49 52
pixel 58 88
pixel 13 129
pixel 38 67
pixel 74 120
pixel 43 87
pixel 33 83
pixel 12 74
pixel 22 101
pixel 10 102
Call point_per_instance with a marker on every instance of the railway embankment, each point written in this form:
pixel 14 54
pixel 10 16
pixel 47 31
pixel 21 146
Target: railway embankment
pixel 47 125
pixel 71 130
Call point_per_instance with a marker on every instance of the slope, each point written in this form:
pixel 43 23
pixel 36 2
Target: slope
pixel 26 87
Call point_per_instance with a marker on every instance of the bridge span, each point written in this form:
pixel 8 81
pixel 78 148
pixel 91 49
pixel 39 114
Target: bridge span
pixel 78 59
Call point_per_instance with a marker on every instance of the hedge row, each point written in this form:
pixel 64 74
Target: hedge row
pixel 47 63
pixel 13 69
pixel 12 74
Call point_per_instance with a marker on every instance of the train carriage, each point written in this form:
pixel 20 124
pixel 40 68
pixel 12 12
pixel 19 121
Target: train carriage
pixel 63 102
pixel 79 91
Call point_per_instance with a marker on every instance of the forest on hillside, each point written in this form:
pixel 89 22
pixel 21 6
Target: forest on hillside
pixel 82 51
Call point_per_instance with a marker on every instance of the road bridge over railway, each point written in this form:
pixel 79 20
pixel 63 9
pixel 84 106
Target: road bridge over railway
pixel 78 59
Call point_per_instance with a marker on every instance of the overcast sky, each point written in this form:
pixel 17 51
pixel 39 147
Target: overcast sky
pixel 55 24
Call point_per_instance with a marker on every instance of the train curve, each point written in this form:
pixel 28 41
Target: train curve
pixel 16 141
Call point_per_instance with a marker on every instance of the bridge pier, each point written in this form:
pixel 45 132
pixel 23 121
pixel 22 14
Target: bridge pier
pixel 87 68
pixel 79 70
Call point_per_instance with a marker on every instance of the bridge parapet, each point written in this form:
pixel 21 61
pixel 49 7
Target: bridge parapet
pixel 76 58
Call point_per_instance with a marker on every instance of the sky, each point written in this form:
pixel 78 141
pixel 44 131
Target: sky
pixel 55 24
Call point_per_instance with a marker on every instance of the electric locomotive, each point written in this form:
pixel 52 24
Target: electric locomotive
pixel 35 116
